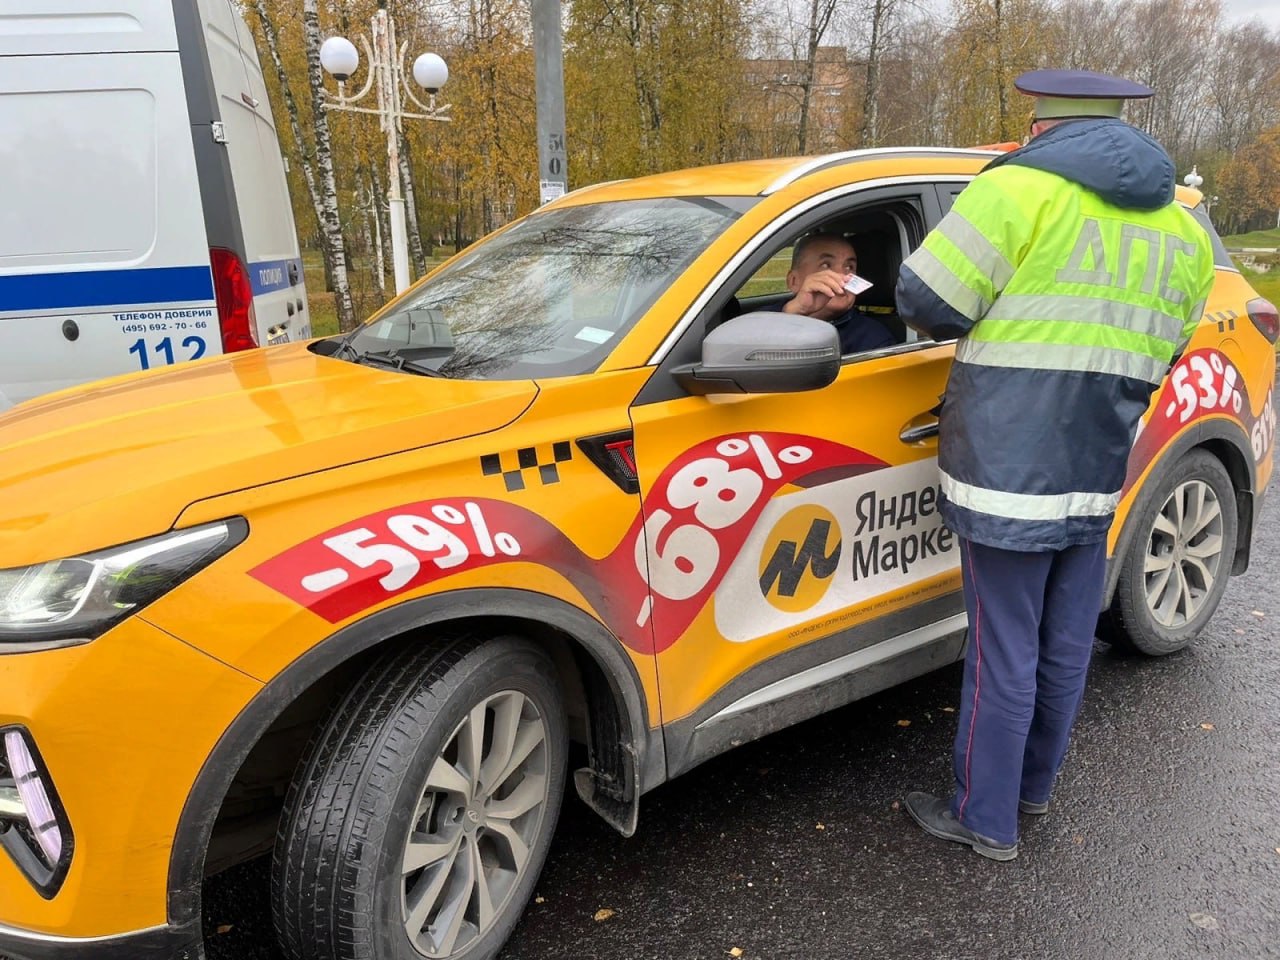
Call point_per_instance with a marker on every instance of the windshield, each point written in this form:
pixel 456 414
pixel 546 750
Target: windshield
pixel 549 297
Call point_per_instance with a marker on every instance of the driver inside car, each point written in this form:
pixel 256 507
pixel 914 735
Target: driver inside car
pixel 821 264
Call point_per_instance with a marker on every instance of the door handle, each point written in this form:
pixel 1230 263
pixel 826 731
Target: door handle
pixel 919 433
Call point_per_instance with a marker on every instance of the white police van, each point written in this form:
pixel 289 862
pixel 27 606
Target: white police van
pixel 144 214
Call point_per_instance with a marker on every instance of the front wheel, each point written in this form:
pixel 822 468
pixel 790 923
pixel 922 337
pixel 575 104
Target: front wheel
pixel 419 821
pixel 1178 562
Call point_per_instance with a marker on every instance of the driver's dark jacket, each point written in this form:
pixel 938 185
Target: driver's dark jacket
pixel 859 332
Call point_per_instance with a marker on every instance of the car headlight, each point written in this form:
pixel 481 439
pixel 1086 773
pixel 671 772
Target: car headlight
pixel 79 598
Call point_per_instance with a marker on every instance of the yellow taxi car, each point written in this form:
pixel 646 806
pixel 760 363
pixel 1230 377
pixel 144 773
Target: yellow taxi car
pixel 349 601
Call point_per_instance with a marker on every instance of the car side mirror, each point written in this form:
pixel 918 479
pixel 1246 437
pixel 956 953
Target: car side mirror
pixel 764 353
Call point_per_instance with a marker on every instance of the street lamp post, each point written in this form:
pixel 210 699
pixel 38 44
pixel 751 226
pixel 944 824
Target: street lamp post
pixel 1194 181
pixel 339 57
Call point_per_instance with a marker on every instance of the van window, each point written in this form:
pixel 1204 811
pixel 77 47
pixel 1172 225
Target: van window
pixel 66 155
pixel 252 146
pixel 94 27
pixel 261 190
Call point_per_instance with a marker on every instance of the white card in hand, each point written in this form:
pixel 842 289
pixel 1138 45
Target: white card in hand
pixel 856 284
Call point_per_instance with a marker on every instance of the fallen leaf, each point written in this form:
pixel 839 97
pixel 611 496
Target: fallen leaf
pixel 764 771
pixel 539 899
pixel 894 805
pixel 225 928
pixel 1077 839
pixel 603 914
pixel 1204 921
pixel 1206 726
pixel 904 723
pixel 735 951
pixel 821 827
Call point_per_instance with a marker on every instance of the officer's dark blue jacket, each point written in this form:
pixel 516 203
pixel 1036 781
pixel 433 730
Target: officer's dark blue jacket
pixel 1072 280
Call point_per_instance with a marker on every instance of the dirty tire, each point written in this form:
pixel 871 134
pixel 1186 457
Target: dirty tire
pixel 340 890
pixel 1134 621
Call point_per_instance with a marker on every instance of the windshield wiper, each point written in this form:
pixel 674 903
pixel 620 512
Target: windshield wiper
pixel 392 359
pixel 344 346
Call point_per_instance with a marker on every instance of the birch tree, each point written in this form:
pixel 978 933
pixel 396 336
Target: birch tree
pixel 655 85
pixel 327 208
pixel 820 13
pixel 879 15
pixel 416 251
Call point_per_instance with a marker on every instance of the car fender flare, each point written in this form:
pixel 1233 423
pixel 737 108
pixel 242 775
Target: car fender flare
pixel 1197 435
pixel 195 826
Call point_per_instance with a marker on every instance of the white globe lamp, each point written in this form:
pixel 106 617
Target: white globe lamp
pixel 339 57
pixel 431 72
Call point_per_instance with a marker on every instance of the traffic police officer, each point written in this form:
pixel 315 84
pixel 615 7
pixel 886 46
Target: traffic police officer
pixel 1072 281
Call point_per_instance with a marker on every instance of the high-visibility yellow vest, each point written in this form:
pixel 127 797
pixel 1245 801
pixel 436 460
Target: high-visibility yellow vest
pixel 1069 311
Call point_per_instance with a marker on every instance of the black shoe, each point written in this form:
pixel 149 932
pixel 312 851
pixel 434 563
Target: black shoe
pixel 1035 809
pixel 934 816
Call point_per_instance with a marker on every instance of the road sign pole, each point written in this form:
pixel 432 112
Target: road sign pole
pixel 548 59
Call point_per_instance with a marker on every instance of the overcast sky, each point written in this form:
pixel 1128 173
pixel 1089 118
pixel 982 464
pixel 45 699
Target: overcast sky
pixel 1267 10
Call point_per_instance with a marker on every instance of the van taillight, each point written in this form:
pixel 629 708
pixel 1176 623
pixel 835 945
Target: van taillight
pixel 1263 314
pixel 235 301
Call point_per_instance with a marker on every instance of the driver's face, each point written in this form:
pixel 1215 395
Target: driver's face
pixel 829 254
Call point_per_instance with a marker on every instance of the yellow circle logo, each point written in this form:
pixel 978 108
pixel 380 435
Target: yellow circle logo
pixel 800 557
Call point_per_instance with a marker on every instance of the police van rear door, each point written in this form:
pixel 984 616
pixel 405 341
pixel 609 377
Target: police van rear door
pixel 268 241
pixel 104 261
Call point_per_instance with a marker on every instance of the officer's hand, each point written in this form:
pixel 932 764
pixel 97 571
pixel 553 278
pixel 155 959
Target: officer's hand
pixel 822 295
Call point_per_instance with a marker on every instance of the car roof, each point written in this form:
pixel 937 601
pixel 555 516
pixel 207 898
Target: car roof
pixel 760 178
pixel 754 178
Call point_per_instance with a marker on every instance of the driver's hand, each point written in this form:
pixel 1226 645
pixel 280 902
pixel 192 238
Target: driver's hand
pixel 822 295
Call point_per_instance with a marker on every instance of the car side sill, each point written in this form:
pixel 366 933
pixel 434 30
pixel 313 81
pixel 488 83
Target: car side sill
pixel 842 666
pixel 153 943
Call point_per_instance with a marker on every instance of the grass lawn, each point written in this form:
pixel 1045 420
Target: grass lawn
pixel 771 278
pixel 1267 284
pixel 1258 238
pixel 320 305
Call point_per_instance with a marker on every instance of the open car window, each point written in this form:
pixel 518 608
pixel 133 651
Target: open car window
pixel 882 234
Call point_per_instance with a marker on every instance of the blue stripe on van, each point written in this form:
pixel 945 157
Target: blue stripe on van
pixel 268 276
pixel 105 288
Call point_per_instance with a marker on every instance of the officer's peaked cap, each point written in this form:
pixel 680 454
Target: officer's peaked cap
pixel 1079 93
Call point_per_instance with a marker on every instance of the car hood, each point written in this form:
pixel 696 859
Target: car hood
pixel 119 460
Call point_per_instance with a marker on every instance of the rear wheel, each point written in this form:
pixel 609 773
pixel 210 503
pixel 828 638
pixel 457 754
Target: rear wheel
pixel 1177 565
pixel 418 823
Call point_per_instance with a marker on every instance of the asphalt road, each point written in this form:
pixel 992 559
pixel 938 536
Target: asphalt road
pixel 1163 840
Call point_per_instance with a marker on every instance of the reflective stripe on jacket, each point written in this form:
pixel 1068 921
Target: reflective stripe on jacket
pixel 1069 311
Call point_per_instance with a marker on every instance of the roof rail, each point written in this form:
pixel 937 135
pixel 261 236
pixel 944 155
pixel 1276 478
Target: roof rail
pixel 836 159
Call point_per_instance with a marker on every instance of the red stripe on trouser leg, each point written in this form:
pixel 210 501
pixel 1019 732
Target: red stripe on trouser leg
pixel 977 685
pixel 1005 604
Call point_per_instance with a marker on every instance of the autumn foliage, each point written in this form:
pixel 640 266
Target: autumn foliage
pixel 661 84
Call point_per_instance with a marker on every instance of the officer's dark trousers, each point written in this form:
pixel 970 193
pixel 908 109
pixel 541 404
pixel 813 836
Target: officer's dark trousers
pixel 1032 618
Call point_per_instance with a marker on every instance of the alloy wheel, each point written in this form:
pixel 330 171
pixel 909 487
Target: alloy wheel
pixel 1184 553
pixel 478 815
